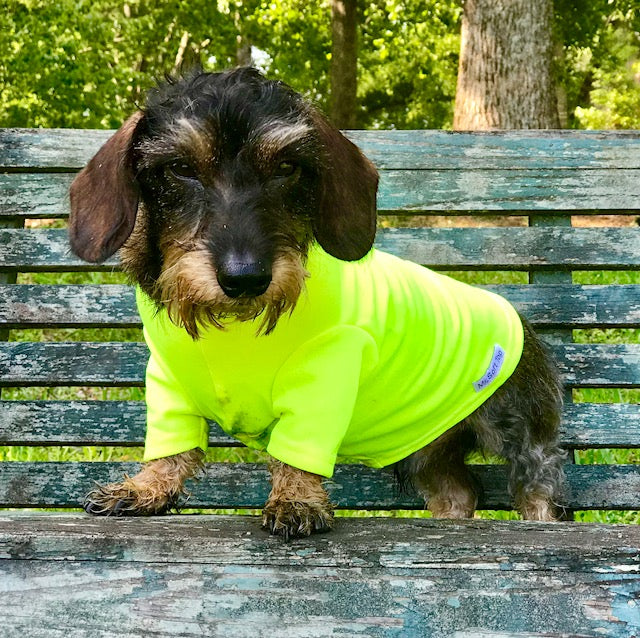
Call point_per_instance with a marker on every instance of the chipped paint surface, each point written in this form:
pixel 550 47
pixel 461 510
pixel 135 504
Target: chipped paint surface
pixel 225 577
pixel 492 171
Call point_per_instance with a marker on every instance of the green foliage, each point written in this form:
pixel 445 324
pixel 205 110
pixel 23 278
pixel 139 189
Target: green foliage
pixel 615 93
pixel 601 71
pixel 295 37
pixel 407 56
pixel 408 62
pixel 86 63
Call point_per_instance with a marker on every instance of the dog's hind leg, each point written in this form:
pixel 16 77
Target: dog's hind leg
pixel 520 423
pixel 156 489
pixel 439 473
pixel 535 465
pixel 535 474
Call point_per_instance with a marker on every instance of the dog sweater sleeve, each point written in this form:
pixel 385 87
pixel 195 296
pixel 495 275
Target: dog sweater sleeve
pixel 174 424
pixel 314 395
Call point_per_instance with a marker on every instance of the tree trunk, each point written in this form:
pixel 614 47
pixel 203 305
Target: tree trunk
pixel 243 45
pixel 344 58
pixel 505 77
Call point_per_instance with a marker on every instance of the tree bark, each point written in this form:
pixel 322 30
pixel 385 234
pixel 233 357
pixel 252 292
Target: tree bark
pixel 243 45
pixel 344 59
pixel 505 76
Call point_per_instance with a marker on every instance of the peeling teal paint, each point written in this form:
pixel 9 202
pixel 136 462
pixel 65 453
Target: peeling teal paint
pixel 625 606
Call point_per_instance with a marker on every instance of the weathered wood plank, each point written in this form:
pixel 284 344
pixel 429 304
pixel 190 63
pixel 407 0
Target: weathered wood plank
pixel 598 425
pixel 574 306
pixel 119 423
pixel 482 544
pixel 499 150
pixel 246 485
pixel 42 250
pixel 452 248
pixel 80 306
pixel 123 364
pixel 69 149
pixel 94 306
pixel 49 149
pixel 77 363
pixel 584 425
pixel 514 248
pixel 223 576
pixel 35 195
pixel 599 365
pixel 510 192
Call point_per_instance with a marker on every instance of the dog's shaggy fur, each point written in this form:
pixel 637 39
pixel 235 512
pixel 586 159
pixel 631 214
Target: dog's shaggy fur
pixel 214 193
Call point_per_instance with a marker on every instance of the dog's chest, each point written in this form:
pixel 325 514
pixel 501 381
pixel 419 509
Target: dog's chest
pixel 229 374
pixel 373 339
pixel 236 381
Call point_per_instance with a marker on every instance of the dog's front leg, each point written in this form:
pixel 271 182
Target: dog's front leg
pixel 156 489
pixel 298 505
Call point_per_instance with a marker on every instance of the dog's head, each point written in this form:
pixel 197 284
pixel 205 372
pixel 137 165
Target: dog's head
pixel 214 192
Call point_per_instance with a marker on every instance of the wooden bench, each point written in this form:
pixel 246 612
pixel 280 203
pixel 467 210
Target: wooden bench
pixel 63 573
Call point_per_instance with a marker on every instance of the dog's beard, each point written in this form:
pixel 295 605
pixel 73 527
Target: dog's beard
pixel 188 288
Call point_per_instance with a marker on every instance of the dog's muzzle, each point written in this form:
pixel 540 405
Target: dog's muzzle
pixel 242 276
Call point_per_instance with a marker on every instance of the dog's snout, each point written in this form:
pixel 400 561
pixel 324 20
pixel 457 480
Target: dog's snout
pixel 243 276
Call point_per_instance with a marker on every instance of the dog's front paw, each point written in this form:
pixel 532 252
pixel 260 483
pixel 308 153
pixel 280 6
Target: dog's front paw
pixel 125 499
pixel 156 489
pixel 291 519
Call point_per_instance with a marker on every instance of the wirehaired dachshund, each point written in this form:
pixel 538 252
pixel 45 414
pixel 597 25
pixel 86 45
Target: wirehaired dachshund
pixel 247 223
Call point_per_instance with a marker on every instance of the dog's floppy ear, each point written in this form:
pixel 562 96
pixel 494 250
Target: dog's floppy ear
pixel 104 198
pixel 345 224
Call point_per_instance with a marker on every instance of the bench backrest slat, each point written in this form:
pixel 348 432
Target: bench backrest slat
pixel 583 365
pixel 66 150
pixel 34 250
pixel 405 192
pixel 246 486
pixel 94 306
pixel 122 423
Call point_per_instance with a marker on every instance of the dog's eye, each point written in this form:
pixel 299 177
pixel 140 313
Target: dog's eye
pixel 182 169
pixel 286 169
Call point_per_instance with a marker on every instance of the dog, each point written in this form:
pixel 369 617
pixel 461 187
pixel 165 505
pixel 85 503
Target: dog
pixel 247 223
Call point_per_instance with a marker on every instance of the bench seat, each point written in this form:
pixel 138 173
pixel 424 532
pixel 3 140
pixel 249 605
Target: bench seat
pixel 221 576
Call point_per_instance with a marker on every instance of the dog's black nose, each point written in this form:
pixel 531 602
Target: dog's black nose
pixel 243 276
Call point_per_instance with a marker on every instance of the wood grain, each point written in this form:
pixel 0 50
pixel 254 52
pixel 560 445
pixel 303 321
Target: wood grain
pixel 110 305
pixel 123 364
pixel 247 485
pixel 445 248
pixel 409 192
pixel 122 423
pixel 30 150
pixel 71 575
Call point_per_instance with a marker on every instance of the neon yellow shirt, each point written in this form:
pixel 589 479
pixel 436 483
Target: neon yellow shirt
pixel 378 359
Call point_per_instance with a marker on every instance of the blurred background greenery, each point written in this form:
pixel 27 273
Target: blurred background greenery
pixel 87 63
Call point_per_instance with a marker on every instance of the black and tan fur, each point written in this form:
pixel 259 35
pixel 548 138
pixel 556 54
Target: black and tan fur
pixel 213 194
